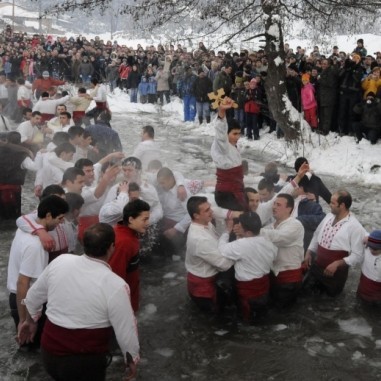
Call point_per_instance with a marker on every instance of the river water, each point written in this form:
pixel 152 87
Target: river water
pixel 319 338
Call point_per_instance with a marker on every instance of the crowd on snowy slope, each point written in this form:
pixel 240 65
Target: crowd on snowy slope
pixel 337 92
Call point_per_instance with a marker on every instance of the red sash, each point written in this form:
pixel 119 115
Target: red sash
pixel 250 290
pixel 28 103
pixel 325 257
pixel 46 117
pixel 8 194
pixel 231 181
pixel 78 115
pixel 254 288
pixel 369 290
pixel 289 276
pixel 83 223
pixel 202 287
pixel 61 341
pixel 101 105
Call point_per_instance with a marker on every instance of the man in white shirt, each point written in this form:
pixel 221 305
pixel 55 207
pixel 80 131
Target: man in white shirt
pixel 203 261
pixel 86 303
pixel 336 245
pixel 229 192
pixel 27 258
pixel 97 185
pixel 30 131
pixel 286 233
pixel 253 256
pixel 99 95
pixel 47 106
pixel 147 150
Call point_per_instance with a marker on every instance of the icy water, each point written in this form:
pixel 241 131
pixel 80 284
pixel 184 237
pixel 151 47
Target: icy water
pixel 318 339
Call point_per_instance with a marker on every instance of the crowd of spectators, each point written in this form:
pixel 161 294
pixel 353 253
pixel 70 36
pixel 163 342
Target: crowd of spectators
pixel 337 92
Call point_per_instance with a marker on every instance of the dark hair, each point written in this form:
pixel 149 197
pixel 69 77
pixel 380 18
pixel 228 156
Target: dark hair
pixel 149 131
pixel 154 164
pixel 165 173
pixel 64 147
pixel 52 189
pixel 44 94
pixel 52 204
pixel 86 134
pixel 94 81
pixel 74 200
pixel 266 184
pixel 71 174
pixel 60 137
pixel 133 187
pixel 97 239
pixel 25 110
pixel 75 131
pixel 34 113
pixel 82 90
pixel 298 163
pixel 133 161
pixel 61 105
pixel 289 199
pixel 250 221
pixel 133 209
pixel 193 204
pixel 344 197
pixel 233 124
pixel 21 81
pixel 13 137
pixel 81 163
pixel 66 114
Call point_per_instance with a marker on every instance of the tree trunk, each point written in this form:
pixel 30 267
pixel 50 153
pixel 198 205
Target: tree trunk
pixel 286 116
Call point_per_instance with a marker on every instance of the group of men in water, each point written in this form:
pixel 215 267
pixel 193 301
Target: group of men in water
pixel 242 245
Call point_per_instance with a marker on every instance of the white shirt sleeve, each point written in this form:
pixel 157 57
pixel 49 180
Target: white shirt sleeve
pixel 29 164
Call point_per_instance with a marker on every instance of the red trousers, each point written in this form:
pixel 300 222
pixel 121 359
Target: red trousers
pixel 310 116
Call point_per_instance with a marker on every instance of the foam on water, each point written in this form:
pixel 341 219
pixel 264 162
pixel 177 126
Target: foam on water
pixel 356 326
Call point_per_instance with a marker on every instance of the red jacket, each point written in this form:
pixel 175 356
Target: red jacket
pixel 125 260
pixel 43 84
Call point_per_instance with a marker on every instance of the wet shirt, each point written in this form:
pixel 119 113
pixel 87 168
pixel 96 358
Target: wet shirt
pixel 371 267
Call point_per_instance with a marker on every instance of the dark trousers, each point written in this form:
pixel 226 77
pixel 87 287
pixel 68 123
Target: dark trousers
pixel 347 102
pixel 325 118
pixel 332 286
pixel 227 200
pixel 78 367
pixel 371 134
pixel 284 294
pixel 252 126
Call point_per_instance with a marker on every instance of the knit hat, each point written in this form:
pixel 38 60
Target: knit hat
pixel 305 77
pixel 45 73
pixel 361 41
pixel 374 240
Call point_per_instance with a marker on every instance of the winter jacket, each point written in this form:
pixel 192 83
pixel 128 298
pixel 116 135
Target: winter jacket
pixel 238 94
pixel 86 69
pixel 133 80
pixel 224 81
pixel 370 114
pixel 162 78
pixel 350 77
pixel 201 88
pixel 143 86
pixel 328 85
pixel 308 97
pixel 185 85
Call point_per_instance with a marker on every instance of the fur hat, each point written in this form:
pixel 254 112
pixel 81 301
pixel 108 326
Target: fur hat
pixel 374 240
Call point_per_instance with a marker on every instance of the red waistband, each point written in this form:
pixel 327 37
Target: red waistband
pixel 202 287
pixel 253 288
pixel 325 256
pixel 10 187
pixel 369 289
pixel 61 341
pixel 101 105
pixel 289 276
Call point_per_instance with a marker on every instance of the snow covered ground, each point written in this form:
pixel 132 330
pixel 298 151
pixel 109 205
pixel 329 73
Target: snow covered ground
pixel 328 155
